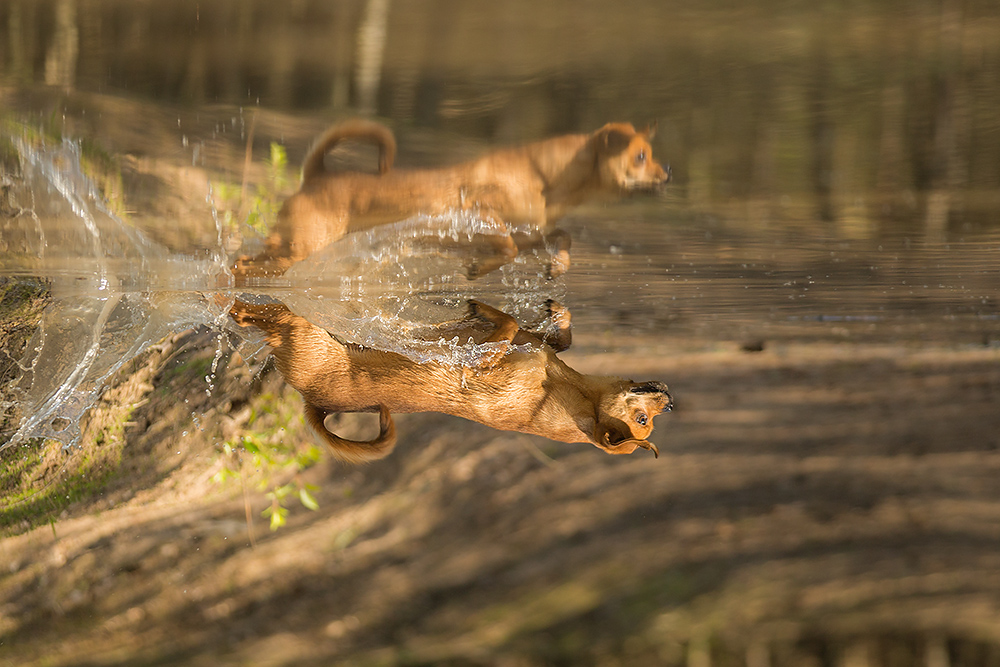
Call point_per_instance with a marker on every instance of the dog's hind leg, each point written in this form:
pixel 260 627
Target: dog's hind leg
pixel 497 250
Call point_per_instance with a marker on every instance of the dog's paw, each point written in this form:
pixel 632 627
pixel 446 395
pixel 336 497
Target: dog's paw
pixel 558 313
pixel 557 243
pixel 474 308
pixel 558 334
pixel 559 264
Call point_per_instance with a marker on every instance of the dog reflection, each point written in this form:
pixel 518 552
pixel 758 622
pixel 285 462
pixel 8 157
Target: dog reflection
pixel 524 388
pixel 531 185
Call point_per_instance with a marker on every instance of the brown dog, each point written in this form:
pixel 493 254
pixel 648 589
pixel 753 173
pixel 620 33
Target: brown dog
pixel 526 389
pixel 534 184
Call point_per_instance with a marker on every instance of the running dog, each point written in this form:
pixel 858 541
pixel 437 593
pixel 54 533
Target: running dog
pixel 526 388
pixel 532 185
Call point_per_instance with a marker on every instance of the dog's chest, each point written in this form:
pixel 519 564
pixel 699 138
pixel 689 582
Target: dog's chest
pixel 508 393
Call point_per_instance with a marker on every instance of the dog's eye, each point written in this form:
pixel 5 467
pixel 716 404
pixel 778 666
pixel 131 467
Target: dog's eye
pixel 642 419
pixel 640 157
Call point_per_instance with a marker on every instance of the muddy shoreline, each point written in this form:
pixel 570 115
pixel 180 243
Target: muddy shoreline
pixel 809 501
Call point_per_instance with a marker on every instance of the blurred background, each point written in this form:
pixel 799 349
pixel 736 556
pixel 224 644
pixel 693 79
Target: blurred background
pixel 819 286
pixel 864 115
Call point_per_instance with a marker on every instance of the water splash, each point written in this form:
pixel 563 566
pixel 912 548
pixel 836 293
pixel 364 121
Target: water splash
pixel 114 292
pixel 398 287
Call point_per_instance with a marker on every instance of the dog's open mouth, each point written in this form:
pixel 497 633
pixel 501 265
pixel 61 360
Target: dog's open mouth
pixel 640 185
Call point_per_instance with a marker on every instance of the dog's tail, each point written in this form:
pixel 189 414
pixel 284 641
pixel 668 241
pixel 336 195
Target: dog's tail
pixel 353 451
pixel 353 129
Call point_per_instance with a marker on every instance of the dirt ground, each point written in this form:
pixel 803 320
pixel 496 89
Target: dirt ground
pixel 812 505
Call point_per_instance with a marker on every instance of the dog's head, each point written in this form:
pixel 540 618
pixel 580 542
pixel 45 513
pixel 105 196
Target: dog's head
pixel 625 158
pixel 625 416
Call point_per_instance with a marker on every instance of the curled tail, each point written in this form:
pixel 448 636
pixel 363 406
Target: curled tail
pixel 354 451
pixel 353 129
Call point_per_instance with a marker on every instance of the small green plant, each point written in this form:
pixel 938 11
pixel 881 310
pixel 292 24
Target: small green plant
pixel 268 452
pixel 278 512
pixel 262 206
pixel 39 479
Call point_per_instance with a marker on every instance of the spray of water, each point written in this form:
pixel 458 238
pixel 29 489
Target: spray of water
pixel 115 292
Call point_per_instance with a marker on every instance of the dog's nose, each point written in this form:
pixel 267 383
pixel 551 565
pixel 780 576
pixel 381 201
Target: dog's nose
pixel 655 388
pixel 667 173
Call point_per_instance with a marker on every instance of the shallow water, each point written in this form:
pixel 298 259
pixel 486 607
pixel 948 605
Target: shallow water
pixel 701 280
pixel 836 179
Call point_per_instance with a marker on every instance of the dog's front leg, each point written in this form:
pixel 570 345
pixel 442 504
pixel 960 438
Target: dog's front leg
pixel 556 243
pixel 492 252
pixel 494 348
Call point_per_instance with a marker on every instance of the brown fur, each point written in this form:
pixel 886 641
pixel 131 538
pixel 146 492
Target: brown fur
pixel 377 133
pixel 534 184
pixel 530 392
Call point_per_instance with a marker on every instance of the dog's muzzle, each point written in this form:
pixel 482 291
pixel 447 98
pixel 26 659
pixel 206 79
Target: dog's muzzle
pixel 655 388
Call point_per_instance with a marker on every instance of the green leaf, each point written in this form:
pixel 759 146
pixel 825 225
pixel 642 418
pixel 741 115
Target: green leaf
pixel 307 500
pixel 278 518
pixel 280 492
pixel 224 475
pixel 308 458
pixel 278 514
pixel 279 164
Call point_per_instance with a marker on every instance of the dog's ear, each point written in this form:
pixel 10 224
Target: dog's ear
pixel 650 130
pixel 612 139
pixel 355 451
